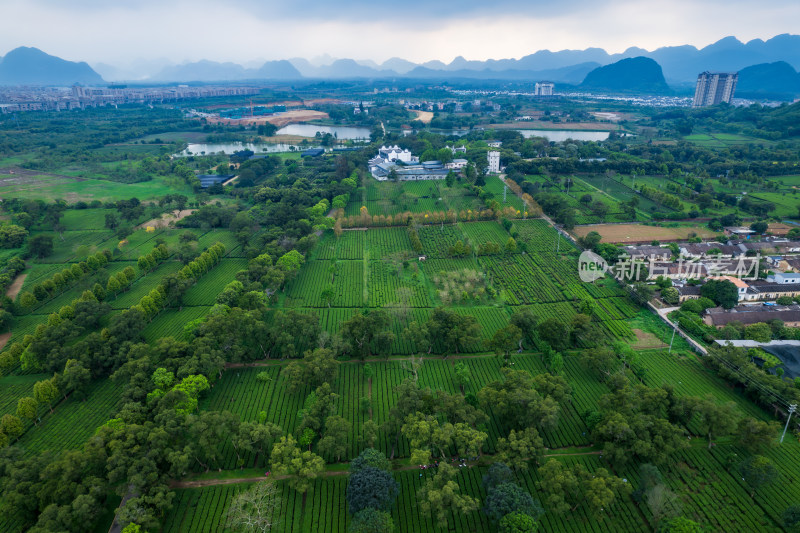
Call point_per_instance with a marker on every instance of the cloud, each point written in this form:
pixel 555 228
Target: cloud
pixel 419 30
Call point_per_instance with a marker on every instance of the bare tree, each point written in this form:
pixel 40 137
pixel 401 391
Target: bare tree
pixel 663 503
pixel 254 509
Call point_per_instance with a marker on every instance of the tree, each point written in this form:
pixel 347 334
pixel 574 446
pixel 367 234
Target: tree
pixel 757 435
pixel 371 487
pixel 253 510
pixel 40 246
pixel 759 331
pixel 600 361
pixel 670 295
pixel 11 425
pixel 791 518
pixel 74 379
pixel 467 440
pixel 318 367
pixel 759 227
pixel 663 503
pixel 716 419
pixel 369 432
pixel 511 245
pixel 757 472
pixel 27 300
pixel 335 440
pixel 561 485
pixel 255 437
pixel 516 403
pixel 509 498
pixel 370 520
pixel 111 221
pixel 12 236
pixel 372 458
pixel 600 488
pixel 304 467
pixel 368 333
pixel 440 496
pixel 454 330
pixel 505 340
pixel 642 293
pixel 723 292
pixel 517 523
pixel 27 408
pixel 520 448
pixel 497 474
pixel 45 392
pixel 462 375
pixel 554 332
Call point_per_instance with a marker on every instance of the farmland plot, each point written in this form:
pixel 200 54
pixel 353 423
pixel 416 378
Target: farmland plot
pixel 350 245
pixel 171 322
pixel 205 291
pixel 385 284
pixel 437 239
pixel 483 232
pixel 383 242
pixel 74 420
pixel 520 279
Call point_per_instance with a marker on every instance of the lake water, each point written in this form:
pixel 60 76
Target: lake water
pixel 563 135
pixel 229 148
pixel 310 130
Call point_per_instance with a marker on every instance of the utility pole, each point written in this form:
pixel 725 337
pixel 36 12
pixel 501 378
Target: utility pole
pixel 558 249
pixel 792 409
pixel 674 329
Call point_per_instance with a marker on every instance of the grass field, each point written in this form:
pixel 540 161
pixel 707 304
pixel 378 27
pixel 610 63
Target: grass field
pixel 48 187
pixel 723 140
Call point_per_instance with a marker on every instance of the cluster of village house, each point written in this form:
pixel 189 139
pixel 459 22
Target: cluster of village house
pixel 736 261
pixel 407 167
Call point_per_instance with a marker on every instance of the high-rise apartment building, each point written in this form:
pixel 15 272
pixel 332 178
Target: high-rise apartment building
pixel 493 158
pixel 714 88
pixel 544 88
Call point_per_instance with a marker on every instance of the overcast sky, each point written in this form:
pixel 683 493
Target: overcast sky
pixel 119 32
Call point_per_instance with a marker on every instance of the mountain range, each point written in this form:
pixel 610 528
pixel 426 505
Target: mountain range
pixel 768 68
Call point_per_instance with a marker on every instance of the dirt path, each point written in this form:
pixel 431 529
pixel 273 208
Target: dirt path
pixel 175 484
pixel 278 362
pixel 16 286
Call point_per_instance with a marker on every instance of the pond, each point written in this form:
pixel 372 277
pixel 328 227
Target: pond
pixel 310 130
pixel 231 147
pixel 563 135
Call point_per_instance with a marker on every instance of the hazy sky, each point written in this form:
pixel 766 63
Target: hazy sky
pixel 419 30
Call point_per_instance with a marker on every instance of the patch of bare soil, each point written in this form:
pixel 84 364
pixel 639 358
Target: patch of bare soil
pixel 4 339
pixel 16 286
pixel 166 219
pixel 645 340
pixel 424 116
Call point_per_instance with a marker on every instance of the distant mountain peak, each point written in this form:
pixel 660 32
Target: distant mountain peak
pixel 30 66
pixel 634 74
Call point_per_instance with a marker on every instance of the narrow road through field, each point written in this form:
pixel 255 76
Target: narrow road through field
pixel 190 484
pixel 12 292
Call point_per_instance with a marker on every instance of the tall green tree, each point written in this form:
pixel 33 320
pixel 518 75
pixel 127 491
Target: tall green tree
pixel 303 466
pixel 441 496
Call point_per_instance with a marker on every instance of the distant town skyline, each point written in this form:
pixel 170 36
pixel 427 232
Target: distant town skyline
pixel 243 31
